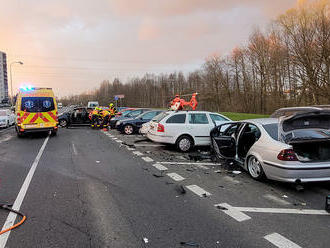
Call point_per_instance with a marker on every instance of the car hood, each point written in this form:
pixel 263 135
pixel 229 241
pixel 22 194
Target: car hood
pixel 311 120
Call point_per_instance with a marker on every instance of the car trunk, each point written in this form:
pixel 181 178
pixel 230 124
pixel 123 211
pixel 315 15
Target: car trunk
pixel 309 135
pixel 312 150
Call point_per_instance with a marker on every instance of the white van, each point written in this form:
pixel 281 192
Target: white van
pixel 92 104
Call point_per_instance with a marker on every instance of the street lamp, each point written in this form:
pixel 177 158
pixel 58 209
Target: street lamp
pixel 11 79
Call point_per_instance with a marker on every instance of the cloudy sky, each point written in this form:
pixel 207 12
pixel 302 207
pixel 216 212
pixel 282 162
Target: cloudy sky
pixel 72 45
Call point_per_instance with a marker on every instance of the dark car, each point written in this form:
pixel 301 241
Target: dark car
pixel 132 125
pixel 75 116
pixel 127 115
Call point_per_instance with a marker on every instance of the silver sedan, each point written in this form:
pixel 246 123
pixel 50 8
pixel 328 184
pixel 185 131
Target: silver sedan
pixel 290 149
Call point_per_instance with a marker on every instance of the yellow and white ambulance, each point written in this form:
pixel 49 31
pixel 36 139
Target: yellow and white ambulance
pixel 36 111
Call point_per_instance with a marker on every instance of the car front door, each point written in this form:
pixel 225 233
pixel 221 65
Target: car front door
pixel 224 139
pixel 199 126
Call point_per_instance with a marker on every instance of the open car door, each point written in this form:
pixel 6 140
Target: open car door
pixel 223 140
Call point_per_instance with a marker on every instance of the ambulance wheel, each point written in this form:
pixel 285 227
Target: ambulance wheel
pixel 53 133
pixel 19 134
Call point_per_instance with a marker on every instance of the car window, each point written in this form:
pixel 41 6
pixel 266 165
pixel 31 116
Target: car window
pixel 2 113
pixel 149 115
pixel 198 119
pixel 134 113
pixel 272 130
pixel 178 119
pixel 252 129
pixel 37 104
pixel 215 117
pixel 160 117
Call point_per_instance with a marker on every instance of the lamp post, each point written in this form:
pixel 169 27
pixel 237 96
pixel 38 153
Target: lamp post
pixel 11 79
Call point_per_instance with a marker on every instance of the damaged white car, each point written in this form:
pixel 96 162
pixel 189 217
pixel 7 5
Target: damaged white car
pixel 290 149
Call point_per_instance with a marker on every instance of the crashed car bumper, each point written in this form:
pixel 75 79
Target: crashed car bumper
pixel 284 173
pixel 160 138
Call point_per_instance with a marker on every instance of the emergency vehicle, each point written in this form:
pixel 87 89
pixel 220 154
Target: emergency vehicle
pixel 36 111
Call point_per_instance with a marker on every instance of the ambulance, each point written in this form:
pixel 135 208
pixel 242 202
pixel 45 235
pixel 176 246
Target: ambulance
pixel 36 111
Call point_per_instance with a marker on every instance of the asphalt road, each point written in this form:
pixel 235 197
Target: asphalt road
pixel 89 189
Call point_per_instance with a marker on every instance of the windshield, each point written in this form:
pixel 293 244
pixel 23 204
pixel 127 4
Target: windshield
pixel 37 104
pixel 126 112
pixel 2 113
pixel 306 134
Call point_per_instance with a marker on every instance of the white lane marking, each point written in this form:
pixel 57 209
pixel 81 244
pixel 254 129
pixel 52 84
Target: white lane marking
pixel 160 167
pixel 279 241
pixel 74 149
pixel 198 190
pixel 119 141
pixel 176 177
pixel 283 211
pixel 201 165
pixel 147 159
pixel 230 179
pixel 276 199
pixel 233 212
pixel 20 197
pixel 130 148
pixel 137 153
pixel 114 138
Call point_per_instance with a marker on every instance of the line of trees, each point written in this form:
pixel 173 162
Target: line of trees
pixel 289 65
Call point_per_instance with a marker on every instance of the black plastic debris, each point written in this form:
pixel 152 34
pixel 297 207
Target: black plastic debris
pixel 199 156
pixel 189 169
pixel 180 189
pixel 192 244
pixel 221 208
pixel 158 175
pixel 299 187
pixel 327 203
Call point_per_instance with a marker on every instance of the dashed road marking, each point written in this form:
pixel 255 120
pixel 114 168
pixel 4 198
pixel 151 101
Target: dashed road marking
pixel 114 138
pixel 130 148
pixel 160 167
pixel 176 177
pixel 119 141
pixel 198 190
pixel 283 211
pixel 233 212
pixel 147 159
pixel 74 149
pixel 137 153
pixel 280 241
pixel 276 199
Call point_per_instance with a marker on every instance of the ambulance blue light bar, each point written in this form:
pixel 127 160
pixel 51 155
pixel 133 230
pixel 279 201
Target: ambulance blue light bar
pixel 26 88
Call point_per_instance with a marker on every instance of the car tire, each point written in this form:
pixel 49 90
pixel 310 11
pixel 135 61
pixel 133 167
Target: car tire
pixel 255 169
pixel 184 143
pixel 63 123
pixel 128 129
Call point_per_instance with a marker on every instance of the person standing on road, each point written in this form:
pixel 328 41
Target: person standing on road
pixel 106 117
pixel 96 116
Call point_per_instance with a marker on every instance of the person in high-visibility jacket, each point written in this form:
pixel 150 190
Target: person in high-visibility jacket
pixel 112 109
pixel 106 117
pixel 96 117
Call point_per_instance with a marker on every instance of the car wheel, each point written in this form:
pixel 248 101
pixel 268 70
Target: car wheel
pixel 128 129
pixel 63 123
pixel 184 143
pixel 255 169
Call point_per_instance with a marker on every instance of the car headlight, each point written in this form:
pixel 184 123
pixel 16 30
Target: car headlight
pixel 118 123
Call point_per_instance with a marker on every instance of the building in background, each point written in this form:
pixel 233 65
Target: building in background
pixel 3 79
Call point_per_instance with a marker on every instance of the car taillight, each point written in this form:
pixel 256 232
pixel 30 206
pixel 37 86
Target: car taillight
pixel 287 155
pixel 160 128
pixel 18 118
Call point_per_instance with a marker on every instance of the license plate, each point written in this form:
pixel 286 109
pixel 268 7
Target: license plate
pixel 30 126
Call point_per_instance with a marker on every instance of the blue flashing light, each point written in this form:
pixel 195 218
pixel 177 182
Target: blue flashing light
pixel 26 88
